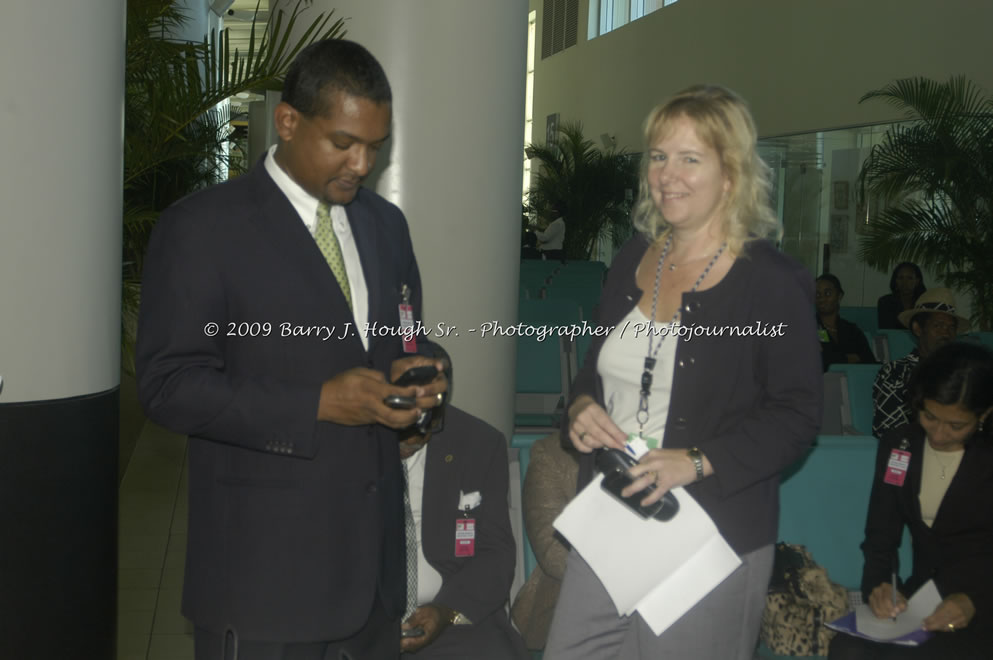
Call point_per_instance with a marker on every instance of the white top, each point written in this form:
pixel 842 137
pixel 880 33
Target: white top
pixel 937 471
pixel 428 579
pixel 620 365
pixel 306 205
pixel 553 236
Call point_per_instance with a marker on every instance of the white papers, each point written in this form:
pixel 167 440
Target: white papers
pixel 660 569
pixel 920 606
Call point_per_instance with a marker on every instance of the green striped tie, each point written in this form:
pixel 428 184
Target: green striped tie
pixel 327 241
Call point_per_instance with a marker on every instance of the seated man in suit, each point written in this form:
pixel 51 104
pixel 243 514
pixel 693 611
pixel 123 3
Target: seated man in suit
pixel 461 551
pixel 934 322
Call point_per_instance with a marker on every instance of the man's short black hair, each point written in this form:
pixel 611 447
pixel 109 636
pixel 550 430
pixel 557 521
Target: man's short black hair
pixel 333 65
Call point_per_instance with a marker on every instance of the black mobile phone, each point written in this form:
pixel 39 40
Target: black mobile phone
pixel 400 402
pixel 416 631
pixel 421 375
pixel 614 464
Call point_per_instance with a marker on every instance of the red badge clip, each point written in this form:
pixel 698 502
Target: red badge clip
pixel 896 467
pixel 465 537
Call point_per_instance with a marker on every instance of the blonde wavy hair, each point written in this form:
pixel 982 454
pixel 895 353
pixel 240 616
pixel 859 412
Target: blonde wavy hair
pixel 722 122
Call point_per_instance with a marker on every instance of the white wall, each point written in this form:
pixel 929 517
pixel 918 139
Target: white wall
pixel 801 64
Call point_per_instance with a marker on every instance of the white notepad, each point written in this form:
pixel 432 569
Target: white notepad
pixel 659 569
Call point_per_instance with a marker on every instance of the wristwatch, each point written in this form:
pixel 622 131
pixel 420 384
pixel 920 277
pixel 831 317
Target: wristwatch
pixel 697 459
pixel 458 619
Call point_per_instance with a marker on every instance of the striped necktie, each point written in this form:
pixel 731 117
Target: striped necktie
pixel 327 241
pixel 410 529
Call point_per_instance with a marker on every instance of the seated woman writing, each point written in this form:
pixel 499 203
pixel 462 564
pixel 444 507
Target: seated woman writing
pixel 945 497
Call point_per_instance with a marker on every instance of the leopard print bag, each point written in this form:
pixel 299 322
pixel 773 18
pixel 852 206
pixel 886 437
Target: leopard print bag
pixel 801 600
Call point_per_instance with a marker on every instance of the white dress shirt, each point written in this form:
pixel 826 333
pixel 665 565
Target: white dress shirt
pixel 621 363
pixel 306 205
pixel 428 579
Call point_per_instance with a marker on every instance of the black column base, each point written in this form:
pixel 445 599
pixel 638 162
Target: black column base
pixel 58 516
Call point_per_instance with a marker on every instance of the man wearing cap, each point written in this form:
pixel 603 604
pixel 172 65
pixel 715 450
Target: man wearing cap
pixel 459 544
pixel 934 321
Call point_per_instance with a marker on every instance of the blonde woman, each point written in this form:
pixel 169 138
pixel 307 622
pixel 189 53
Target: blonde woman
pixel 726 389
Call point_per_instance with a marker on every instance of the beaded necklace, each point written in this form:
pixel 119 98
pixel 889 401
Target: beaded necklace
pixel 650 359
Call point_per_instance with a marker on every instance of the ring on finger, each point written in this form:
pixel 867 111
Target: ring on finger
pixel 582 436
pixel 951 626
pixel 440 397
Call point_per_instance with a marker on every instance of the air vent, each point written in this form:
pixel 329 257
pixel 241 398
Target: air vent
pixel 559 26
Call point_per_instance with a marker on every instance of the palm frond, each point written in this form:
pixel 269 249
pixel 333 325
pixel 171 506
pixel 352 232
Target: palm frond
pixel 176 128
pixel 934 178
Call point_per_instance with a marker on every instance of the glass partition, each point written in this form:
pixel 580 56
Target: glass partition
pixel 815 178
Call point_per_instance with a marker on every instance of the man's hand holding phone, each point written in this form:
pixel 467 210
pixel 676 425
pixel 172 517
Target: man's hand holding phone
pixel 430 619
pixel 363 396
pixel 426 374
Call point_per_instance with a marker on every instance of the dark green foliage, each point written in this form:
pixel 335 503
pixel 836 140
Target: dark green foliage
pixel 174 133
pixel 933 178
pixel 588 187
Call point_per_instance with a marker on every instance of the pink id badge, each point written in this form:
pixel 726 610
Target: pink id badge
pixel 407 328
pixel 896 467
pixel 465 537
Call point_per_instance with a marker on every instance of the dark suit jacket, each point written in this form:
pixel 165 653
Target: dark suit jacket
pixel 750 402
pixel 469 455
pixel 294 524
pixel 888 310
pixel 851 339
pixel 957 551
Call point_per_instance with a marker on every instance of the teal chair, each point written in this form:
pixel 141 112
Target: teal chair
pixel 901 343
pixel 584 297
pixel 984 338
pixel 860 378
pixel 823 500
pixel 865 318
pixel 542 377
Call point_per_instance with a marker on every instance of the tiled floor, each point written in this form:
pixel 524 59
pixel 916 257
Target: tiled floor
pixel 151 549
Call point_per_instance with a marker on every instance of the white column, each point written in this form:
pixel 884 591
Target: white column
pixel 454 166
pixel 61 122
pixel 61 125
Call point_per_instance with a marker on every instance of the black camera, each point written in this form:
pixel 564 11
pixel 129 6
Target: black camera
pixel 615 464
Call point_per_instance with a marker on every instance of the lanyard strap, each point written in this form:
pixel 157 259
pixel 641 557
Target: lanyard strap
pixel 651 358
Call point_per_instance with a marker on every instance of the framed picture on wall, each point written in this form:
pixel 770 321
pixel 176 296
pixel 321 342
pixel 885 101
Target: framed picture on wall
pixel 840 195
pixel 551 128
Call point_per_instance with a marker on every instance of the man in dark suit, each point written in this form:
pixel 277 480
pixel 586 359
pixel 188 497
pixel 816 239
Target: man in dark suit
pixel 463 542
pixel 256 296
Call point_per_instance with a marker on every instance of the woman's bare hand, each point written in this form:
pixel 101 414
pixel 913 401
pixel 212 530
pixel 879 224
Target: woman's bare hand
pixel 590 427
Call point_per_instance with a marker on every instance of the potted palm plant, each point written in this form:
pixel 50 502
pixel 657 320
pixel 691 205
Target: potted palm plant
pixel 933 180
pixel 591 188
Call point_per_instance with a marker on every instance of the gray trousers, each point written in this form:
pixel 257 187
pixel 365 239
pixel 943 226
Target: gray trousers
pixel 722 626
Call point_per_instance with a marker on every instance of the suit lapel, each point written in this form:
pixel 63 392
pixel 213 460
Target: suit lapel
pixel 366 242
pixel 438 514
pixel 958 498
pixel 914 473
pixel 282 227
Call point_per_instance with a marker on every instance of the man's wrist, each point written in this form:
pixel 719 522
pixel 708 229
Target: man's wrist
pixel 451 617
pixel 696 457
